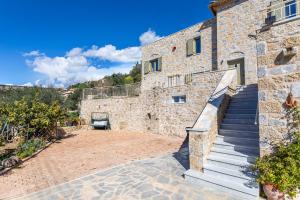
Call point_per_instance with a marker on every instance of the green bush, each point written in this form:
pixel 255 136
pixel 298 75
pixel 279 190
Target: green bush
pixel 32 117
pixel 282 167
pixel 29 147
pixel 72 118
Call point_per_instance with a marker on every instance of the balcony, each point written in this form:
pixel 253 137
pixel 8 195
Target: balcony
pixel 283 11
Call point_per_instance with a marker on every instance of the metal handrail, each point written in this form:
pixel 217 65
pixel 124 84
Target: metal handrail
pixel 256 115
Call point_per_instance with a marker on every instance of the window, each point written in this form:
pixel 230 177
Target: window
pixel 290 9
pixel 188 78
pixel 173 80
pixel 179 99
pixel 193 46
pixel 198 45
pixel 153 65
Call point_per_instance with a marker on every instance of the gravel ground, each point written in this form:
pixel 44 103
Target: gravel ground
pixel 82 153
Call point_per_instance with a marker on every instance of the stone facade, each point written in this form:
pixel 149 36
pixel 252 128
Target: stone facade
pixel 278 75
pixel 173 51
pixel 237 23
pixel 239 30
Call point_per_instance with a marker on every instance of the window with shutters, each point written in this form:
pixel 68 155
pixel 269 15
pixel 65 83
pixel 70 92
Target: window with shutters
pixel 193 46
pixel 188 78
pixel 173 80
pixel 154 65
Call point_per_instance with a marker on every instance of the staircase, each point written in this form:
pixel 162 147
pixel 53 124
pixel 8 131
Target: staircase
pixel 236 148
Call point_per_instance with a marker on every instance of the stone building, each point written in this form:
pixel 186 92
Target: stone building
pixel 223 83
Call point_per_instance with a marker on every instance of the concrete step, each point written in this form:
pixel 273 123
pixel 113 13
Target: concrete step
pixel 225 162
pixel 241 191
pixel 238 141
pixel 241 134
pixel 239 148
pixel 239 121
pixel 241 111
pixel 227 174
pixel 239 127
pixel 232 156
pixel 239 116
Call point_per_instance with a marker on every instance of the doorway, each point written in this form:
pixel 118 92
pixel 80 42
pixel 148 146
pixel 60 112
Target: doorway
pixel 239 65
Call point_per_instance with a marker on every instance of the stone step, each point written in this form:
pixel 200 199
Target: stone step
pixel 242 106
pixel 239 116
pixel 239 127
pixel 245 95
pixel 239 121
pixel 241 111
pixel 232 156
pixel 223 161
pixel 239 148
pixel 241 191
pixel 243 99
pixel 227 174
pixel 241 134
pixel 238 141
pixel 244 102
pixel 246 153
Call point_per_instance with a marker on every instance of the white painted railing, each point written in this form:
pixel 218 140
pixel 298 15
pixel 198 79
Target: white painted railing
pixel 283 10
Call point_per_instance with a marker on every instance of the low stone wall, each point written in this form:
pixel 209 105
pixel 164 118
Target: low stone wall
pixel 278 75
pixel 124 112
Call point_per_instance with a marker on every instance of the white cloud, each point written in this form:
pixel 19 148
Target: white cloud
pixel 112 54
pixel 33 54
pixel 29 84
pixel 75 66
pixel 149 37
pixel 74 52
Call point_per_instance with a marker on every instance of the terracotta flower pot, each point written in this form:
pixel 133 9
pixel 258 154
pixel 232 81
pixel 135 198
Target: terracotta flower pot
pixel 272 192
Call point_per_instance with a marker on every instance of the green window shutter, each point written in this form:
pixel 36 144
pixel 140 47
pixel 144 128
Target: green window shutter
pixel 159 64
pixel 190 47
pixel 146 67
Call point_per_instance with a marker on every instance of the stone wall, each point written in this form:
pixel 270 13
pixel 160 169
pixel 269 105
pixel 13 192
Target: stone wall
pixel 154 110
pixel 237 23
pixel 176 61
pixel 168 118
pixel 124 112
pixel 278 76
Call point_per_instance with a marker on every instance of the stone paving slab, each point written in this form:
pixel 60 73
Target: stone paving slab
pixel 157 178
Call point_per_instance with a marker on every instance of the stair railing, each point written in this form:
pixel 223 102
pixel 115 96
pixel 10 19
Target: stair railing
pixel 256 115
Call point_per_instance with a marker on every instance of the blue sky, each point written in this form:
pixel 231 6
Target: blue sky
pixel 60 42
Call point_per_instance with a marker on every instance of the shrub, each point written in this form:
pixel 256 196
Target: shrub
pixel 27 148
pixel 282 167
pixel 32 118
pixel 72 118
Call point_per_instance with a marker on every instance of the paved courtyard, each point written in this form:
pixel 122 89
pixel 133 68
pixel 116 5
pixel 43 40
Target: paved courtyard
pixel 83 152
pixel 157 178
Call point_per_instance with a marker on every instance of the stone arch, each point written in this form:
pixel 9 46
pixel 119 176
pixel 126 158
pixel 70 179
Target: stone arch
pixel 236 55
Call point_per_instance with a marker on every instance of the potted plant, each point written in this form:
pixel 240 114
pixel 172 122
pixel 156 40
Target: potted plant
pixel 279 172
